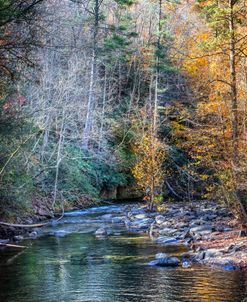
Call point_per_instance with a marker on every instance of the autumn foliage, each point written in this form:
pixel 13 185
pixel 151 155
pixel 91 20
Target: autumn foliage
pixel 148 170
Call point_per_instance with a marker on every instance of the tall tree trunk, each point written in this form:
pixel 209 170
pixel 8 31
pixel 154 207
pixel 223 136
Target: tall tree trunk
pixel 59 158
pixel 89 115
pixel 103 109
pixel 154 113
pixel 93 72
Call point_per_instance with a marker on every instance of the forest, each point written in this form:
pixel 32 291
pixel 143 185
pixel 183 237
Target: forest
pixel 123 150
pixel 120 99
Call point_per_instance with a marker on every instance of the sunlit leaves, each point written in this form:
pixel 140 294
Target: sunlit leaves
pixel 148 170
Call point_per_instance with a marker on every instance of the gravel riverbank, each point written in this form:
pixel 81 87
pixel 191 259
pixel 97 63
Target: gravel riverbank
pixel 212 234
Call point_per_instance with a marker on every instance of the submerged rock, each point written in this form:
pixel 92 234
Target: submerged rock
pixel 61 233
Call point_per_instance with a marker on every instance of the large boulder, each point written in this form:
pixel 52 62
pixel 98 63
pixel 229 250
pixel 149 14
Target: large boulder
pixel 212 253
pixel 167 231
pixel 202 229
pixel 167 240
pixel 162 259
pixel 141 223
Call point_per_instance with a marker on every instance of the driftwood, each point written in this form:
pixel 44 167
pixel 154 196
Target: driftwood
pixel 37 225
pixel 14 225
pixel 13 245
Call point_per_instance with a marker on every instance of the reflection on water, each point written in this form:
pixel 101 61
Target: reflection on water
pixel 78 267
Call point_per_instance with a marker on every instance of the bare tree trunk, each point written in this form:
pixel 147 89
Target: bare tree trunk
pixel 91 94
pixel 45 137
pixel 154 113
pixel 103 109
pixel 58 161
pixel 88 122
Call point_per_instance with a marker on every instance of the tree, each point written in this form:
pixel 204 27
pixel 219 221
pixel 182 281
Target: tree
pixel 18 34
pixel 148 170
pixel 212 55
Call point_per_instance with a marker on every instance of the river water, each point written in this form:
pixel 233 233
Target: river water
pixel 68 263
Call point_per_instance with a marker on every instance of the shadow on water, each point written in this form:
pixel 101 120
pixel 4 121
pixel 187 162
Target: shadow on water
pixel 75 266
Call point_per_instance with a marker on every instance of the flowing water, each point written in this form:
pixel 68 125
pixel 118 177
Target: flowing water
pixel 68 263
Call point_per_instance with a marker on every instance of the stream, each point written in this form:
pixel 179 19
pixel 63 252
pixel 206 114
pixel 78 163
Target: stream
pixel 68 263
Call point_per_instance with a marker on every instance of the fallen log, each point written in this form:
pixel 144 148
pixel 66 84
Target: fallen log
pixel 15 225
pixel 13 245
pixel 37 225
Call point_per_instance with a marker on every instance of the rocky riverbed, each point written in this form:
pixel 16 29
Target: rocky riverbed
pixel 211 234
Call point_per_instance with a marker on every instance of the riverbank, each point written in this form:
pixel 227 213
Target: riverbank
pixel 209 232
pixel 212 234
pixel 41 213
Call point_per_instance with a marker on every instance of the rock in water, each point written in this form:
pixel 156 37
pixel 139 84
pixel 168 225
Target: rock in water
pixel 186 264
pixel 119 219
pixel 140 216
pixel 229 265
pixel 101 232
pixel 160 256
pixel 33 234
pixel 160 219
pixel 18 238
pixel 164 260
pixel 212 253
pixel 167 240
